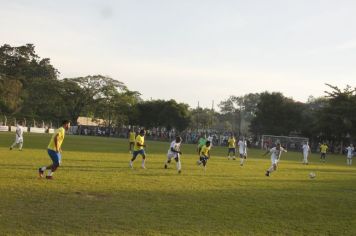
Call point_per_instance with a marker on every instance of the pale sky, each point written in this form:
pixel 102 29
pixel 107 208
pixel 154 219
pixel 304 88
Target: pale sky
pixel 193 50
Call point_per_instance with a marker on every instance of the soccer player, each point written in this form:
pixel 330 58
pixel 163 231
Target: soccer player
pixel 232 147
pixel 323 150
pixel 350 152
pixel 139 149
pixel 306 151
pixel 276 153
pixel 174 152
pixel 19 136
pixel 204 154
pixel 242 150
pixel 132 136
pixel 201 143
pixel 54 150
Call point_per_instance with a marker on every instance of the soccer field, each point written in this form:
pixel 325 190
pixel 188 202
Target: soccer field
pixel 96 193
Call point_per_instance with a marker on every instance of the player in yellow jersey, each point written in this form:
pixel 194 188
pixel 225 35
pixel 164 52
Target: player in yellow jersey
pixel 232 147
pixel 204 154
pixel 132 136
pixel 139 149
pixel 54 150
pixel 323 151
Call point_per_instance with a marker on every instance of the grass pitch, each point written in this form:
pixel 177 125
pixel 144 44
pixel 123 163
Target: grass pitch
pixel 96 193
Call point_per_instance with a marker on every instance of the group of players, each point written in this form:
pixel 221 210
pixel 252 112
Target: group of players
pixel 137 143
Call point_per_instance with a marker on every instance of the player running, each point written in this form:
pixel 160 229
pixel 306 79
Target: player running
pixel 204 154
pixel 350 152
pixel 231 147
pixel 201 143
pixel 19 136
pixel 139 149
pixel 276 153
pixel 54 150
pixel 242 150
pixel 174 152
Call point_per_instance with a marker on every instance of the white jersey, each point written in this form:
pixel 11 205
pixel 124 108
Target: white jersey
pixel 19 133
pixel 350 151
pixel 276 154
pixel 175 146
pixel 306 148
pixel 242 146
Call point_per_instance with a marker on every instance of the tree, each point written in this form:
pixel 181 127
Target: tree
pixel 276 115
pixel 240 110
pixel 160 113
pixel 337 118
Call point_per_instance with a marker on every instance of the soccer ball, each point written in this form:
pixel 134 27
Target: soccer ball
pixel 312 175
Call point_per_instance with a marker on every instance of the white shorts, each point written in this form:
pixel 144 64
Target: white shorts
pixel 172 155
pixel 19 139
pixel 349 156
pixel 274 161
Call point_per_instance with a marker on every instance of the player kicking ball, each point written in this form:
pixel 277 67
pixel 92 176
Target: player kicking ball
pixel 204 154
pixel 276 153
pixel 175 153
pixel 54 150
pixel 139 149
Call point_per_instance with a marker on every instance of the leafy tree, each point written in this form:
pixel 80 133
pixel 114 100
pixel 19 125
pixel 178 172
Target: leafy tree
pixel 276 115
pixel 160 113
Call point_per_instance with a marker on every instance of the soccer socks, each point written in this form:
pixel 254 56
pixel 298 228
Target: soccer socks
pixel 271 169
pixel 242 161
pixel 179 166
pixel 20 147
pixel 143 164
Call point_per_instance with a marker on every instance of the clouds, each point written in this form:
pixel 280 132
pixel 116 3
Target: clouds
pixel 193 50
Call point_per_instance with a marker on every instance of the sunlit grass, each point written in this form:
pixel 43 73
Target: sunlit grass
pixel 95 192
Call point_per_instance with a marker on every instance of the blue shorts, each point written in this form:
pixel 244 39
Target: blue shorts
pixel 55 156
pixel 135 153
pixel 233 150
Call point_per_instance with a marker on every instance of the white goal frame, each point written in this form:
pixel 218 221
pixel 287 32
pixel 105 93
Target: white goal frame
pixel 293 143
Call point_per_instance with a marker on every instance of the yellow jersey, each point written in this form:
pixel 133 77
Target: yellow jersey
pixel 132 137
pixel 141 140
pixel 60 132
pixel 231 142
pixel 205 151
pixel 323 148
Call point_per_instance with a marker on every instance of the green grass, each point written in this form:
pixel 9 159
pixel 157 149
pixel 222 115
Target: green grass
pixel 95 193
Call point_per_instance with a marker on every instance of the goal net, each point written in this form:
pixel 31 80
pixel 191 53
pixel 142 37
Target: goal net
pixel 291 143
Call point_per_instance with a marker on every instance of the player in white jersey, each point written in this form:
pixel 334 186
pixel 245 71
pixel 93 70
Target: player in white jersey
pixel 19 137
pixel 350 152
pixel 242 150
pixel 275 157
pixel 174 152
pixel 306 151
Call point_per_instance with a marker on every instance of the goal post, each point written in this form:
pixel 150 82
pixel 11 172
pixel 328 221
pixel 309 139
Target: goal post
pixel 289 142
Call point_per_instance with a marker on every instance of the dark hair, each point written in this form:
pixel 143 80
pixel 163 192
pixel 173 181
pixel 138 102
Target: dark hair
pixel 64 122
pixel 178 139
pixel 207 143
pixel 142 131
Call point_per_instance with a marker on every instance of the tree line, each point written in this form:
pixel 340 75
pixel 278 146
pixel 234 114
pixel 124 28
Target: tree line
pixel 30 88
